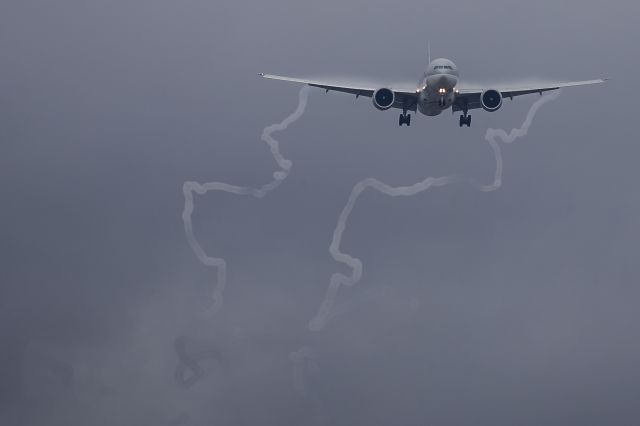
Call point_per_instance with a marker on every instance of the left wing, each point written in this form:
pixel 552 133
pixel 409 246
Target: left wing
pixel 404 99
pixel 471 96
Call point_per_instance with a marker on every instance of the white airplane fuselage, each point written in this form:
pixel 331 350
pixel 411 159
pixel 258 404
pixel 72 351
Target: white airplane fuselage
pixel 437 90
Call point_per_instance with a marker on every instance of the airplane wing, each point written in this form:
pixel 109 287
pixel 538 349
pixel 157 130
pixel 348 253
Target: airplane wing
pixel 471 96
pixel 404 99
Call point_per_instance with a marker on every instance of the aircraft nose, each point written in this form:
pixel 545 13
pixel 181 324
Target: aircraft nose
pixel 445 81
pixel 449 81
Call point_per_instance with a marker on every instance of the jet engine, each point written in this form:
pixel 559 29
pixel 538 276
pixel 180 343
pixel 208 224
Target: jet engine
pixel 491 100
pixel 383 98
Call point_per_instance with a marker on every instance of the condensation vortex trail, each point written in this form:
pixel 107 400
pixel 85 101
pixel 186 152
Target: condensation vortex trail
pixel 337 279
pixel 189 188
pixel 304 359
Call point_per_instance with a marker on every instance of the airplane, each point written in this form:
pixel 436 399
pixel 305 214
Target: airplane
pixel 439 89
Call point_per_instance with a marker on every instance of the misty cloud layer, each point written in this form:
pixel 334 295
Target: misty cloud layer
pixel 515 306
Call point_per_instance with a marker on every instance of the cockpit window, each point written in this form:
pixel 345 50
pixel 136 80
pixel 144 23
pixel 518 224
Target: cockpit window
pixel 443 67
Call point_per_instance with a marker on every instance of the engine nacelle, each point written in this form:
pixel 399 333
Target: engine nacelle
pixel 491 100
pixel 383 98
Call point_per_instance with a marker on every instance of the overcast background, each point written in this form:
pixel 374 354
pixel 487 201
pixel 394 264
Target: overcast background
pixel 518 306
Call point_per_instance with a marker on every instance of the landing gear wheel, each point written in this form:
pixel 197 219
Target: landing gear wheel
pixel 404 119
pixel 465 120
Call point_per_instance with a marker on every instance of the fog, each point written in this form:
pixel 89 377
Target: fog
pixel 514 305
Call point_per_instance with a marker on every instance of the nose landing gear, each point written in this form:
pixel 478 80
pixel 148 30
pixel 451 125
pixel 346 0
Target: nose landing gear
pixel 404 119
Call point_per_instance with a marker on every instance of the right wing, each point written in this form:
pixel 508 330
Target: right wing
pixel 404 99
pixel 471 96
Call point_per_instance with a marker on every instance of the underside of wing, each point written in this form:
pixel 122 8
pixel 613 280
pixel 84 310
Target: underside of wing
pixel 404 99
pixel 470 97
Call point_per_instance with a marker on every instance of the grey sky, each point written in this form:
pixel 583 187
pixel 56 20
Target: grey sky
pixel 517 306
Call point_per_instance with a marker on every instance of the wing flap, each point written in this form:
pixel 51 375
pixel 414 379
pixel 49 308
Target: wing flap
pixel 352 89
pixel 404 99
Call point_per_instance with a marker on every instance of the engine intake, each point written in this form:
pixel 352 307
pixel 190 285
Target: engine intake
pixel 491 100
pixel 383 98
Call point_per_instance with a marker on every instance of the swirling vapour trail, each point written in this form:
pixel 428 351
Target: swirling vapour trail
pixel 303 360
pixel 337 280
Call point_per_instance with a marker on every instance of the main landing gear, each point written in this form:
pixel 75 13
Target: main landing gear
pixel 465 120
pixel 404 119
